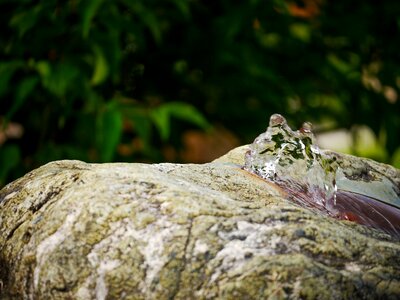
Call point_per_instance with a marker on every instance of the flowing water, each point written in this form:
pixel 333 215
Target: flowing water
pixel 292 160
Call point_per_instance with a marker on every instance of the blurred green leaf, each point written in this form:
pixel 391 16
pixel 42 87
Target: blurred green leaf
pixel 43 68
pixel 100 72
pixel 270 40
pixel 25 20
pixel 160 117
pixel 301 31
pixel 23 90
pixel 339 64
pixel 10 156
pixel 183 7
pixel 141 122
pixel 109 130
pixel 187 112
pixel 162 114
pixel 396 158
pixel 148 17
pixel 57 78
pixel 180 66
pixel 89 12
pixel 7 70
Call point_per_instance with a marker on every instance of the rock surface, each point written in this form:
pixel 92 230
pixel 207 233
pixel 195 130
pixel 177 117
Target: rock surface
pixel 72 230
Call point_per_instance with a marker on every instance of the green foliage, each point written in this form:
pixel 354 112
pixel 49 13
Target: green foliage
pixel 61 77
pixel 10 156
pixel 162 114
pixel 109 129
pixel 85 76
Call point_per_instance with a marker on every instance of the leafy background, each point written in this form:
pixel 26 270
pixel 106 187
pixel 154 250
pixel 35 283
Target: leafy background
pixel 185 80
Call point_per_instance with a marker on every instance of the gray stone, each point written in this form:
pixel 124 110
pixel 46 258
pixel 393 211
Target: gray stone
pixel 72 230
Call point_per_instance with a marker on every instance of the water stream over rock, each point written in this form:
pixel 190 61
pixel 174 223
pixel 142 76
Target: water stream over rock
pixel 292 160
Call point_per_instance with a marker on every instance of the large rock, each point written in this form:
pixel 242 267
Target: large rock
pixel 72 230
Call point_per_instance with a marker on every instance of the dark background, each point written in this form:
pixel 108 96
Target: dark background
pixel 186 80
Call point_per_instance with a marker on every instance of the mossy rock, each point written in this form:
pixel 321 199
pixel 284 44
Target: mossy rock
pixel 72 230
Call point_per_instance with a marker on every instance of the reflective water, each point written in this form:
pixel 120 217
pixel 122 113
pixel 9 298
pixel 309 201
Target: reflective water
pixel 292 160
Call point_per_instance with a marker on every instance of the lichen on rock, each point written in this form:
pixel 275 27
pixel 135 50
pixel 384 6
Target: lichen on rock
pixel 72 230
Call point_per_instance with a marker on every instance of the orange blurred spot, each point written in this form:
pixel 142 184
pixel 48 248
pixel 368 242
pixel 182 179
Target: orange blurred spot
pixel 309 9
pixel 256 24
pixel 200 147
pixel 125 149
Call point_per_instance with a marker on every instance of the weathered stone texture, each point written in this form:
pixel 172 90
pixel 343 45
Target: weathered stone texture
pixel 71 230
